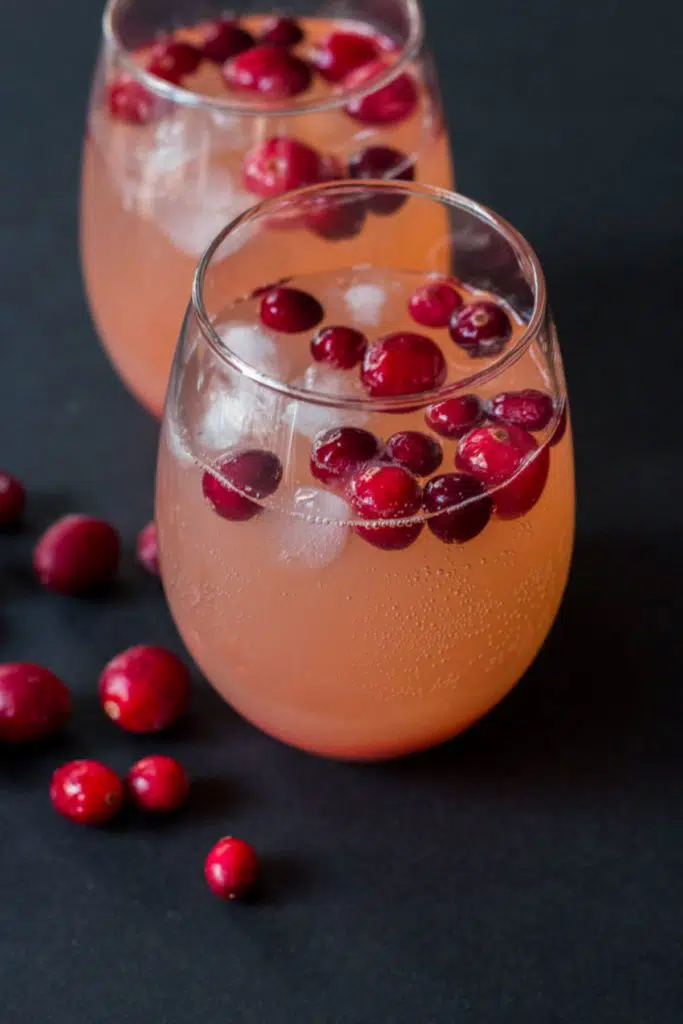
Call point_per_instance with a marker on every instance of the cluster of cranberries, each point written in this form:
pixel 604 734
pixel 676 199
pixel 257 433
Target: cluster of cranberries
pixel 144 690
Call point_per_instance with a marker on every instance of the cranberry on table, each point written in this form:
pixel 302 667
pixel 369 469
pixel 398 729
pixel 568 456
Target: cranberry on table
pixel 147 549
pixel 463 505
pixel 402 364
pixel 145 689
pixel 389 104
pixel 336 453
pixel 454 416
pixel 231 868
pixel 531 409
pixel 12 500
pixel 342 347
pixel 382 162
pixel 247 477
pixel 279 165
pixel 418 452
pixel 386 492
pixel 77 554
pixel 281 31
pixel 433 304
pixel 158 783
pixel 341 53
pixel 270 70
pixel 87 792
pixel 482 328
pixel 290 310
pixel 128 100
pixel 34 703
pixel 224 39
pixel 506 455
pixel 172 59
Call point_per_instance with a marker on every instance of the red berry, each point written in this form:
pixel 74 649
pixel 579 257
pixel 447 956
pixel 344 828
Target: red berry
pixel 145 689
pixel 281 31
pixel 496 454
pixel 290 310
pixel 454 416
pixel 419 453
pixel 86 792
pixel 34 703
pixel 335 216
pixel 77 554
pixel 464 507
pixel 279 165
pixel 128 100
pixel 384 493
pixel 389 104
pixel 147 550
pixel 382 162
pixel 158 783
pixel 225 39
pixel 231 868
pixel 561 427
pixel 12 500
pixel 341 53
pixel 530 409
pixel 342 347
pixel 338 452
pixel 172 60
pixel 270 70
pixel 482 328
pixel 434 304
pixel 402 364
pixel 247 478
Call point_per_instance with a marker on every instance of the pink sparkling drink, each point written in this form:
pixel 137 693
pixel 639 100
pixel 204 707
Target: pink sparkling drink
pixel 364 539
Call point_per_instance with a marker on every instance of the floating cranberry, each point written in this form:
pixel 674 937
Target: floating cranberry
pixel 171 60
pixel 341 53
pixel 495 454
pixel 335 217
pixel 454 416
pixel 281 31
pixel 279 165
pixel 224 39
pixel 482 329
pixel 434 304
pixel 338 452
pixel 561 428
pixel 12 500
pixel 530 408
pixel 419 453
pixel 464 507
pixel 342 347
pixel 231 868
pixel 389 104
pixel 402 364
pixel 290 310
pixel 34 703
pixel 382 162
pixel 158 783
pixel 77 554
pixel 247 477
pixel 386 492
pixel 87 792
pixel 147 549
pixel 270 70
pixel 129 100
pixel 145 689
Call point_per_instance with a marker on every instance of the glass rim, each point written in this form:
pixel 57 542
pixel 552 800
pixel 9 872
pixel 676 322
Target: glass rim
pixel 185 98
pixel 525 253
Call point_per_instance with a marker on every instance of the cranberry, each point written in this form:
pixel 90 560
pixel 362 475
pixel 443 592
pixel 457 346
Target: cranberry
pixel 338 452
pixel 251 475
pixel 144 689
pixel 231 868
pixel 341 53
pixel 86 792
pixel 464 507
pixel 496 454
pixel 77 554
pixel 382 162
pixel 482 328
pixel 128 100
pixel 290 310
pixel 389 104
pixel 172 60
pixel 34 703
pixel 342 347
pixel 270 70
pixel 402 364
pixel 158 783
pixel 279 165
pixel 454 416
pixel 434 304
pixel 12 500
pixel 386 492
pixel 335 216
pixel 561 427
pixel 530 409
pixel 225 39
pixel 281 31
pixel 147 550
pixel 419 453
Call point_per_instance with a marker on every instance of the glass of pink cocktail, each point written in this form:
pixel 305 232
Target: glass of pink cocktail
pixel 365 491
pixel 194 116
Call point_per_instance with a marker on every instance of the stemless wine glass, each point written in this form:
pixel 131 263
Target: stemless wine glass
pixel 193 118
pixel 365 491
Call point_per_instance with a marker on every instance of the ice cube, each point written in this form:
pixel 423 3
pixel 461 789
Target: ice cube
pixel 312 531
pixel 239 415
pixel 191 217
pixel 308 419
pixel 255 346
pixel 365 303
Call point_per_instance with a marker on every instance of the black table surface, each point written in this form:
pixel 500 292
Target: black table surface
pixel 527 872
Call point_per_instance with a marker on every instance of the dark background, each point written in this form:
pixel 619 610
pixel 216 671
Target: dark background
pixel 528 872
